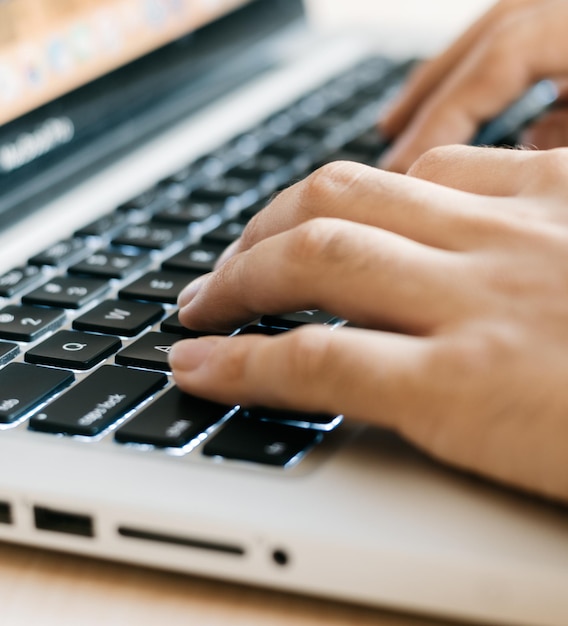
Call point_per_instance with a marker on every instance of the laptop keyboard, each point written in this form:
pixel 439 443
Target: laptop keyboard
pixel 86 326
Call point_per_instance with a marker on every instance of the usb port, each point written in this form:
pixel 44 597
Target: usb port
pixel 63 522
pixel 5 513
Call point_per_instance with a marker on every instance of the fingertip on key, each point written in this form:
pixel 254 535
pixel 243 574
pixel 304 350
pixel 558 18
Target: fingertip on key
pixel 189 292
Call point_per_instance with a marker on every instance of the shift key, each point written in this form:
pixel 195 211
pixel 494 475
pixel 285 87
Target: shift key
pixel 98 401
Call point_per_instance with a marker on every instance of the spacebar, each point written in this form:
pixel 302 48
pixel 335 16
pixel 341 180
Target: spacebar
pixel 97 402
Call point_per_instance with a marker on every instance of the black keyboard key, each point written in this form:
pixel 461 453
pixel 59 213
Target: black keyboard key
pixel 188 212
pixel 370 142
pixel 210 166
pixel 98 401
pixel 226 233
pixel 111 264
pixel 319 421
pixel 267 331
pixel 23 387
pixel 158 286
pixel 199 257
pixel 67 292
pixel 173 325
pixel 150 236
pixel 265 172
pixel 172 421
pixel 61 253
pixel 119 317
pixel 251 142
pixel 293 145
pixel 345 155
pixel 221 189
pixel 18 279
pixel 144 201
pixel 270 443
pixel 324 125
pixel 259 165
pixel 8 351
pixel 27 323
pixel 75 350
pixel 292 320
pixel 310 106
pixel 150 351
pixel 351 106
pixel 107 225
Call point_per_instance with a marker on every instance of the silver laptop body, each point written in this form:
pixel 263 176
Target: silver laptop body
pixel 356 514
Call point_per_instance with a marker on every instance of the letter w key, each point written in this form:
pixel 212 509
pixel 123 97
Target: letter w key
pixel 119 317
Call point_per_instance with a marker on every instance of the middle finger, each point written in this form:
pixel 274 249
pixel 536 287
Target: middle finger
pixel 428 213
pixel 372 277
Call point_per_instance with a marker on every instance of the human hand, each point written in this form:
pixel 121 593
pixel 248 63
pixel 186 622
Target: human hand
pixel 512 46
pixel 461 296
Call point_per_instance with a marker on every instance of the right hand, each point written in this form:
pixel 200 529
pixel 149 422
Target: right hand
pixel 512 46
pixel 459 296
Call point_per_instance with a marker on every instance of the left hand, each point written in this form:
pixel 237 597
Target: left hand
pixel 512 46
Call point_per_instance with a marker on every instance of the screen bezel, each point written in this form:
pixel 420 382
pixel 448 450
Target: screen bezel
pixel 114 113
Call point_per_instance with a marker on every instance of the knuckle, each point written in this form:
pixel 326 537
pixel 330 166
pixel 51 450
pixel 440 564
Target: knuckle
pixel 309 357
pixel 433 164
pixel 553 168
pixel 252 232
pixel 318 241
pixel 229 363
pixel 322 189
pixel 477 354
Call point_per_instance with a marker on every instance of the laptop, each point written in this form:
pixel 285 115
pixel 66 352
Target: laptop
pixel 136 140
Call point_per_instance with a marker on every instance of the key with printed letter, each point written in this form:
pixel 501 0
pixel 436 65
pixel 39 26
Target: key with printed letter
pixel 172 421
pixel 27 323
pixel 158 286
pixel 119 317
pixel 199 257
pixel 249 439
pixel 61 253
pixel 72 349
pixel 150 351
pixel 150 236
pixel 97 402
pixel 23 386
pixel 67 292
pixel 18 279
pixel 108 264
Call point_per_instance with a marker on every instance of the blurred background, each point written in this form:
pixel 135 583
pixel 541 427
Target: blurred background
pixel 402 26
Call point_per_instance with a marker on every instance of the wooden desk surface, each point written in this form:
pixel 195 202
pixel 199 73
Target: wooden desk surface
pixel 52 589
pixel 45 588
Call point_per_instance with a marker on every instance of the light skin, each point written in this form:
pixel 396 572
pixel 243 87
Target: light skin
pixel 457 277
pixel 454 278
pixel 515 44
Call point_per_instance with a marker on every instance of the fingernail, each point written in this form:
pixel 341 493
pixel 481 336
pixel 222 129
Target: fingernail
pixel 227 253
pixel 189 354
pixel 189 292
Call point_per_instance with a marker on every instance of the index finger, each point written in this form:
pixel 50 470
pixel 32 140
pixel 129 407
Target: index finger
pixel 431 73
pixel 518 51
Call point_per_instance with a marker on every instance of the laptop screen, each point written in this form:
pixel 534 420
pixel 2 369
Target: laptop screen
pixel 82 81
pixel 49 47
